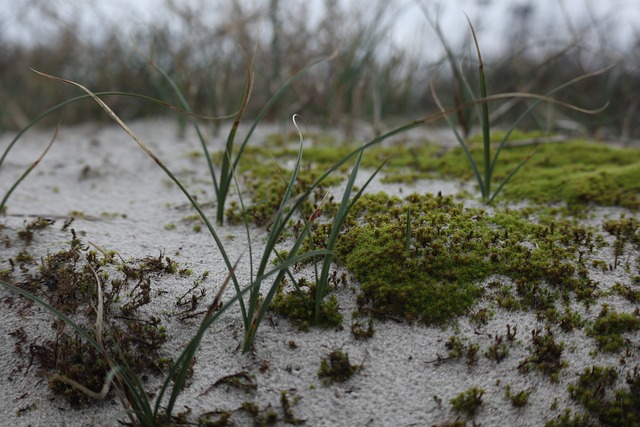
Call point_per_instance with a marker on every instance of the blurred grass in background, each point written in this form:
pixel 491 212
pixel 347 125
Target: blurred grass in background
pixel 371 82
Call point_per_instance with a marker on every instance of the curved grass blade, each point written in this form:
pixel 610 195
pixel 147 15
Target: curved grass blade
pixel 57 107
pixel 224 170
pixel 225 180
pixel 28 171
pixel 545 99
pixel 167 171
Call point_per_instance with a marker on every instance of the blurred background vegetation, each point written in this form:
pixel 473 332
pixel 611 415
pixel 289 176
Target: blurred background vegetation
pixel 372 82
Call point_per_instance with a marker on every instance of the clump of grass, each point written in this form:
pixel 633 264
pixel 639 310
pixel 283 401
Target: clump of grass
pixel 232 155
pixel 592 391
pixel 489 162
pixel 519 399
pixel 546 355
pixel 336 367
pixel 468 402
pixel 364 83
pixel 609 326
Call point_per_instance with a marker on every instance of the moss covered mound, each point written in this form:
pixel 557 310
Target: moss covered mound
pixel 452 250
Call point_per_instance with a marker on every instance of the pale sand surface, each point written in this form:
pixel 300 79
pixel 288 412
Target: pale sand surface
pixel 97 169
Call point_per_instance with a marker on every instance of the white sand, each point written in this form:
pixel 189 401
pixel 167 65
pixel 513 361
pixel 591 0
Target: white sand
pixel 98 169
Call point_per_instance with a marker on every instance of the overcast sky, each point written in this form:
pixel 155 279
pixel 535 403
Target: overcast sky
pixel 619 19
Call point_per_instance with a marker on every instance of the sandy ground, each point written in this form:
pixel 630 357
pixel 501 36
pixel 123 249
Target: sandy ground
pixel 127 202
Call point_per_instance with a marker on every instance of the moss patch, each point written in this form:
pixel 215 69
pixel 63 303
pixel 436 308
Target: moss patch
pixel 576 172
pixel 298 307
pixel 452 250
pixel 336 367
pixel 592 391
pixel 608 328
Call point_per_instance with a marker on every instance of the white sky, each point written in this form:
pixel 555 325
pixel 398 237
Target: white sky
pixel 21 20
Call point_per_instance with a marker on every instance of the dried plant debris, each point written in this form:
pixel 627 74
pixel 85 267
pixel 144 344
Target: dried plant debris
pixel 133 337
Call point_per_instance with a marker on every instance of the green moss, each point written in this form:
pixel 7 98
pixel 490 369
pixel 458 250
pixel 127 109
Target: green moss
pixel 452 251
pixel 468 401
pixel 567 419
pixel 266 178
pixel 608 328
pixel 546 355
pixel 498 350
pixel 576 172
pixel 336 367
pixel 519 399
pixel 298 306
pixel 27 232
pixel 570 320
pixel 626 233
pixel 360 330
pixel 287 409
pixel 261 417
pixel 627 292
pixel 217 419
pixel 620 408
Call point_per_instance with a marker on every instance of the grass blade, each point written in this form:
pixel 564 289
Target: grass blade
pixel 180 370
pixel 28 171
pixel 263 112
pixel 461 142
pixel 338 222
pixel 226 169
pixel 486 126
pixel 167 171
